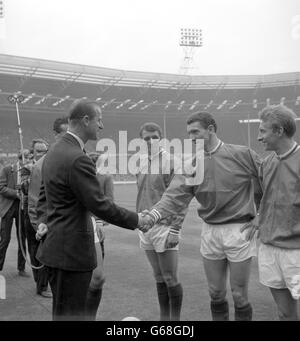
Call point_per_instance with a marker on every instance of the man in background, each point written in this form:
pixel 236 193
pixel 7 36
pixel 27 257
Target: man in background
pixel 10 201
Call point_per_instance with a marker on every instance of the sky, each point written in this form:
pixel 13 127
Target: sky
pixel 239 36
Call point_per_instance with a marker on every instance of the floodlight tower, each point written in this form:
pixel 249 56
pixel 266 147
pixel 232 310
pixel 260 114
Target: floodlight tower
pixel 2 23
pixel 1 8
pixel 190 39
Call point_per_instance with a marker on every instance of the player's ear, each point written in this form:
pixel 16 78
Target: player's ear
pixel 211 128
pixel 280 131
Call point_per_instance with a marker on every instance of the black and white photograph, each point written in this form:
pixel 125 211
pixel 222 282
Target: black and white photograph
pixel 149 163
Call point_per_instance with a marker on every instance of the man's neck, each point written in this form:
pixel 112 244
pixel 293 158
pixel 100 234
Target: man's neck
pixel 78 133
pixel 212 144
pixel 285 146
pixel 151 155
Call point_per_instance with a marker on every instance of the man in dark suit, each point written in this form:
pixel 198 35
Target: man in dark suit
pixel 40 273
pixel 39 148
pixel 73 193
pixel 10 195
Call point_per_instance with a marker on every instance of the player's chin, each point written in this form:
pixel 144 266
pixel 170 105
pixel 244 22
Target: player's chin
pixel 268 148
pixel 96 137
pixel 265 146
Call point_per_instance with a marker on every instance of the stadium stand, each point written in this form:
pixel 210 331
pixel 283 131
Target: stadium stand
pixel 130 98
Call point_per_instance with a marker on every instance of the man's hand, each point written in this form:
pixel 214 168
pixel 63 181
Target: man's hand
pixel 41 231
pixel 172 240
pixel 100 231
pixel 146 222
pixel 251 228
pixel 18 192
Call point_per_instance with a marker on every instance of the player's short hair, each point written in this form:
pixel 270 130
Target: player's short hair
pixel 35 141
pixel 81 108
pixel 58 123
pixel 204 118
pixel 151 127
pixel 279 116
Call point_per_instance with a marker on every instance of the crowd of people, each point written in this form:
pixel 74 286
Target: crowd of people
pixel 249 206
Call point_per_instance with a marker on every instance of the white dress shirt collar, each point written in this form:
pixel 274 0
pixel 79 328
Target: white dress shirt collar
pixel 77 138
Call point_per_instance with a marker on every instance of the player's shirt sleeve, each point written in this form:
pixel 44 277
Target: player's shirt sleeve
pixel 174 203
pixel 251 162
pixel 256 163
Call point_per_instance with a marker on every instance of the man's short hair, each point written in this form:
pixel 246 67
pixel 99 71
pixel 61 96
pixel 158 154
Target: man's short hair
pixel 35 141
pixel 279 116
pixel 151 127
pixel 204 118
pixel 81 108
pixel 58 123
pixel 26 153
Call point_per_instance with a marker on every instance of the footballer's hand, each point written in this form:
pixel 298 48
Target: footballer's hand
pixel 146 222
pixel 41 231
pixel 251 227
pixel 172 240
pixel 100 231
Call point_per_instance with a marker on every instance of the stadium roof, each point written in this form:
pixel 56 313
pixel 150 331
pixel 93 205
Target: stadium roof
pixel 50 86
pixel 67 72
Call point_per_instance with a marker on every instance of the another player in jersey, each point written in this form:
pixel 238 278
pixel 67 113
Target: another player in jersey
pixel 94 294
pixel 279 213
pixel 161 242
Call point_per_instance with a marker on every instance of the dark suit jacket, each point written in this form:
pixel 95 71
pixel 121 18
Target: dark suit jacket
pixel 8 192
pixel 34 191
pixel 71 193
pixel 107 184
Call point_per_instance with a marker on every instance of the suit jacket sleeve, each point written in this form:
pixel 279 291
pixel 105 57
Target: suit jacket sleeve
pixel 84 184
pixel 109 187
pixel 9 193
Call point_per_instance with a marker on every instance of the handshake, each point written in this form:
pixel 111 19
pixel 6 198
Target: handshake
pixel 146 221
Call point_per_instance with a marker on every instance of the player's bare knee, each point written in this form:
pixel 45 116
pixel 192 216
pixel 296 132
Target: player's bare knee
pixel 170 279
pixel 217 295
pixel 158 278
pixel 239 298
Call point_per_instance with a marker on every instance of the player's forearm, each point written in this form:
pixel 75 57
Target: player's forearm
pixel 172 214
pixel 174 202
pixel 176 224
